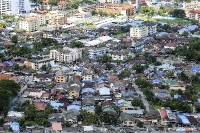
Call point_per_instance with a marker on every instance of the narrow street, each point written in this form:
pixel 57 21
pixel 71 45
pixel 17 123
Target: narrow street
pixel 146 104
pixel 29 80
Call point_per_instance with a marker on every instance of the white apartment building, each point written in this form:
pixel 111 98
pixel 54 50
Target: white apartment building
pixel 41 20
pixel 139 31
pixel 66 54
pixel 110 1
pixel 121 56
pixel 143 30
pixel 152 27
pixel 29 24
pixel 14 6
pixel 93 53
pixel 194 15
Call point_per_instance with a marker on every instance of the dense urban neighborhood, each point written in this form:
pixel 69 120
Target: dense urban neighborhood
pixel 105 66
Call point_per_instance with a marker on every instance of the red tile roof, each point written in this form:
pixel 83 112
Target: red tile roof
pixel 171 44
pixel 56 126
pixel 45 95
pixel 62 2
pixel 40 106
pixel 163 114
pixel 195 11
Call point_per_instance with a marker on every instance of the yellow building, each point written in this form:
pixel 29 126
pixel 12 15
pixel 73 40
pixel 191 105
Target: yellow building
pixel 56 19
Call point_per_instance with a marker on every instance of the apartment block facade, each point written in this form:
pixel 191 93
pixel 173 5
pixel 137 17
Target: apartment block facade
pixel 29 24
pixel 143 30
pixel 66 55
pixel 194 15
pixel 124 9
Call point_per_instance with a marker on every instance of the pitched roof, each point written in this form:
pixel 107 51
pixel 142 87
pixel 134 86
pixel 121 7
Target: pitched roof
pixel 4 77
pixel 163 114
pixel 62 2
pixel 56 127
pixel 40 106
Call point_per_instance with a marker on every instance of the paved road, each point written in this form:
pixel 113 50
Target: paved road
pixel 29 80
pixel 146 104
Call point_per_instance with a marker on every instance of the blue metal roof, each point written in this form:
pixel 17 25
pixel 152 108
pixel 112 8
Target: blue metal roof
pixel 162 95
pixel 77 107
pixel 15 126
pixel 55 104
pixel 87 90
pixel 156 81
pixel 184 119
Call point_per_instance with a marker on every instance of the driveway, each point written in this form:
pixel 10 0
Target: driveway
pixel 145 102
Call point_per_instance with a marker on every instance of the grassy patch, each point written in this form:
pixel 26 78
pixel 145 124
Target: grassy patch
pixel 156 106
pixel 91 26
pixel 120 35
pixel 166 20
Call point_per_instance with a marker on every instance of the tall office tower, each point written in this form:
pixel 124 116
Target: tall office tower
pixel 24 5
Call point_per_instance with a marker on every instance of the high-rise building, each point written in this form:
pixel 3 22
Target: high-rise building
pixel 14 6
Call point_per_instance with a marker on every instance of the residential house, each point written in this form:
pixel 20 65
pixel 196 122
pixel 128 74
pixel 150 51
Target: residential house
pixel 71 116
pixel 119 55
pixel 127 119
pixel 74 91
pixel 88 101
pixel 104 91
pixel 60 76
pixel 37 64
pixel 164 117
pixel 107 104
pixel 41 106
pixel 62 4
pixel 152 117
pixel 43 77
pixel 55 117
pixel 56 127
pixel 172 46
pixel 136 113
pixel 87 75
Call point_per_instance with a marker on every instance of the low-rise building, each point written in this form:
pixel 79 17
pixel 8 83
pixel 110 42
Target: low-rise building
pixel 194 15
pixel 66 54
pixel 37 64
pixel 124 9
pixel 93 53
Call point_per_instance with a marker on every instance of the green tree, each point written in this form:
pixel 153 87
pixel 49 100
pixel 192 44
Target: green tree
pixel 140 124
pixel 137 102
pixel 93 12
pixel 197 109
pixel 104 59
pixel 138 68
pixel 185 33
pixel 124 74
pixel 44 68
pixel 76 44
pixel 100 12
pixel 10 85
pixel 14 39
pixel 179 13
